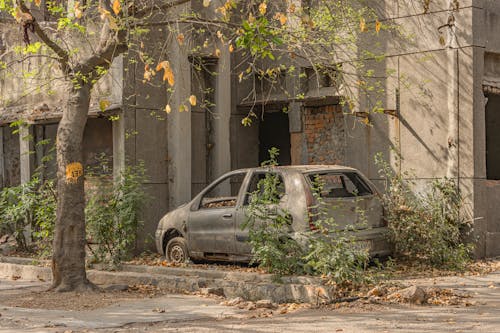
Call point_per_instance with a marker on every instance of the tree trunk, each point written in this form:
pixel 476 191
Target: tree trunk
pixel 68 260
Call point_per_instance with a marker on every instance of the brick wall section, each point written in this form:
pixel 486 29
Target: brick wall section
pixel 324 132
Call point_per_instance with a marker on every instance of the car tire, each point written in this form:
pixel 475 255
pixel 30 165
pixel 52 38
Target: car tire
pixel 176 250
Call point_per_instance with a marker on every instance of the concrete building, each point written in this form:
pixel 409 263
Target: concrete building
pixel 442 114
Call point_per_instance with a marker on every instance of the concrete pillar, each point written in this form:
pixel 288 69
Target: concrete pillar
pixel 179 129
pixel 26 158
pixel 221 157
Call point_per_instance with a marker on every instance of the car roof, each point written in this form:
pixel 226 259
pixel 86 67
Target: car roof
pixel 302 168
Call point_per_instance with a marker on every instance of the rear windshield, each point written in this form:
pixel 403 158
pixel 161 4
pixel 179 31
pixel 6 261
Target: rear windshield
pixel 338 184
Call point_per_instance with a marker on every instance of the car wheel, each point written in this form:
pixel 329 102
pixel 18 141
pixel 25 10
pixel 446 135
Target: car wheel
pixel 176 250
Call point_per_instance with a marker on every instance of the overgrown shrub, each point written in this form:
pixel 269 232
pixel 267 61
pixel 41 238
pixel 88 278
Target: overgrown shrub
pixel 28 211
pixel 425 227
pixel 112 213
pixel 333 251
pixel 329 251
pixel 269 226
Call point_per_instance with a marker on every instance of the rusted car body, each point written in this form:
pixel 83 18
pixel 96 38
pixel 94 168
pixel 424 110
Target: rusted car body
pixel 210 226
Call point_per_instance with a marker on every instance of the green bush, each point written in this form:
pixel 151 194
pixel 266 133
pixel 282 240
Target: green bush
pixel 329 251
pixel 427 227
pixel 333 251
pixel 112 213
pixel 272 247
pixel 26 208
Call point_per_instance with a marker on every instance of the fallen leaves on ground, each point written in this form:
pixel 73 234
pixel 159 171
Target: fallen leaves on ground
pixel 153 259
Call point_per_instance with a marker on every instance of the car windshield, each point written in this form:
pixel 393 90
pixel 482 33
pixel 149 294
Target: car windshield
pixel 338 184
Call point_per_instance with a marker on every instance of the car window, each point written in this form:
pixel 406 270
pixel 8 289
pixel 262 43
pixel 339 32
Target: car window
pixel 256 185
pixel 224 193
pixel 339 185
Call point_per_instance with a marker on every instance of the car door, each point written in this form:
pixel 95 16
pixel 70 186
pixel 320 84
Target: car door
pixel 243 247
pixel 210 227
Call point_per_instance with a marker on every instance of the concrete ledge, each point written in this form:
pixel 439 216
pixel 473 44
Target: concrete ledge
pixel 250 286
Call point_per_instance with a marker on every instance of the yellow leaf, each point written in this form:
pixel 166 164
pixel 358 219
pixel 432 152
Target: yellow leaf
pixel 251 18
pixel 281 17
pixel 217 52
pixel 378 25
pixel 231 48
pixel 206 3
pixel 78 10
pixel 183 108
pixel 219 34
pixel 362 25
pixel 103 104
pixel 38 2
pixel 240 77
pixel 168 74
pixel 117 7
pixel 105 14
pixel 148 73
pixel 180 38
pixel 263 8
pixel 168 109
pixel 192 100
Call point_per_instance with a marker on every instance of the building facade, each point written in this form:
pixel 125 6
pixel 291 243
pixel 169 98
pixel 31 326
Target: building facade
pixel 441 116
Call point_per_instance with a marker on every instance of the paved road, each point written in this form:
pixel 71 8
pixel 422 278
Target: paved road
pixel 193 314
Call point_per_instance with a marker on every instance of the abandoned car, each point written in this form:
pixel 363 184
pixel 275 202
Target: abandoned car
pixel 210 227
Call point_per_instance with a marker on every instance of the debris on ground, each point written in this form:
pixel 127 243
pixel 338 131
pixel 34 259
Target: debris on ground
pixel 412 295
pixel 212 291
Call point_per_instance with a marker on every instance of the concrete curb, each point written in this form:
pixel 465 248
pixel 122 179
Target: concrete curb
pixel 250 286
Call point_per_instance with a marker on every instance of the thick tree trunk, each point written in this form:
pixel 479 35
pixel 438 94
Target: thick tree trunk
pixel 68 261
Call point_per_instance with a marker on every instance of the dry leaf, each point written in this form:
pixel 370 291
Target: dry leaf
pixel 168 109
pixel 206 3
pixel 168 74
pixel 281 17
pixel 117 7
pixel 217 53
pixel 263 8
pixel 362 25
pixel 192 100
pixel 180 38
pixel 38 2
pixel 231 48
pixel 78 10
pixel 378 25
pixel 148 72
pixel 105 14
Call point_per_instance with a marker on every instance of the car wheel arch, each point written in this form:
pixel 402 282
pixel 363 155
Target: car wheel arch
pixel 168 235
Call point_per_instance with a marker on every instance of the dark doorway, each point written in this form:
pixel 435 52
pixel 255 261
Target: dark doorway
pixel 493 137
pixel 274 132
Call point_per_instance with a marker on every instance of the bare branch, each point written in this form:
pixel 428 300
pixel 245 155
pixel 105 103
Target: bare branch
pixel 149 10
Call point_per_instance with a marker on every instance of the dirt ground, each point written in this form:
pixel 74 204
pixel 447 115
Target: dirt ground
pixel 37 297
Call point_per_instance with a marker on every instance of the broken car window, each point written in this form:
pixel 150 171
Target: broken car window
pixel 339 185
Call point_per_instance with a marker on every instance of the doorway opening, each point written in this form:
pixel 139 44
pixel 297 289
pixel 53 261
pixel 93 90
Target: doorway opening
pixel 493 137
pixel 274 131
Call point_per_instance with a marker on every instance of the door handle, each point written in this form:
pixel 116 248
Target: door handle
pixel 228 215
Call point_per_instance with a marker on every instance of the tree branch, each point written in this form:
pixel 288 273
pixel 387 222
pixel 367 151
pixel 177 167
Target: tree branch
pixel 145 11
